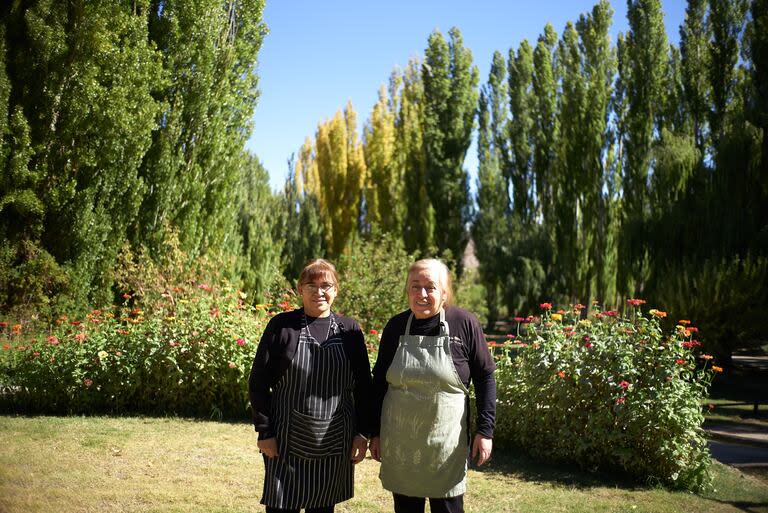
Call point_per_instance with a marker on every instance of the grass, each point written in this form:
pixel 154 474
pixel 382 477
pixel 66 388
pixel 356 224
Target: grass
pixel 78 464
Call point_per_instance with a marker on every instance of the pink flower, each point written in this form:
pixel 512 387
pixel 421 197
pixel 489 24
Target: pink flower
pixel 232 365
pixel 519 319
pixel 546 306
pixel 510 336
pixel 240 341
pixel 624 385
pixel 87 382
pixel 621 400
pixel 611 313
pixel 53 340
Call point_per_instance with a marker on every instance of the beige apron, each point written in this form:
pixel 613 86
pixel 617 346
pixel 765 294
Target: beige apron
pixel 424 447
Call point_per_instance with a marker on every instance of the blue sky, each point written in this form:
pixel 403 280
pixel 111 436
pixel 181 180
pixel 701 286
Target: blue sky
pixel 319 54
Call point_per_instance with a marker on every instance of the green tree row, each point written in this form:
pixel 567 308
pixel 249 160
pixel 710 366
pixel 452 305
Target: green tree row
pixel 606 171
pixel 123 123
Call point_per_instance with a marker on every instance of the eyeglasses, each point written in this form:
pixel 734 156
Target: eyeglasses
pixel 312 287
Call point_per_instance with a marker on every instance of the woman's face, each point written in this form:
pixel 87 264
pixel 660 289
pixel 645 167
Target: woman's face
pixel 426 296
pixel 317 296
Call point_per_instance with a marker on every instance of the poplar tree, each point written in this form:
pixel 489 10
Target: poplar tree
pixel 81 78
pixel 340 168
pixel 419 221
pixel 694 54
pixel 598 68
pixel 383 190
pixel 520 128
pixel 257 215
pixel 450 98
pixel 490 231
pixel 546 128
pixel 644 80
pixel 208 50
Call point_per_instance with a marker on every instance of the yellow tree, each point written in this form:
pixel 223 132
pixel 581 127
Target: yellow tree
pixel 384 181
pixel 335 174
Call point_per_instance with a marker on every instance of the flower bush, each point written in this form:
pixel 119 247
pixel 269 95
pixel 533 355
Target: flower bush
pixel 189 356
pixel 607 391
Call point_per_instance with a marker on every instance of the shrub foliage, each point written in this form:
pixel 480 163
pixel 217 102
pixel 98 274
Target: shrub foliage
pixel 607 391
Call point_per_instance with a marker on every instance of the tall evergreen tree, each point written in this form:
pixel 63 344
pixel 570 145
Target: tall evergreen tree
pixel 450 98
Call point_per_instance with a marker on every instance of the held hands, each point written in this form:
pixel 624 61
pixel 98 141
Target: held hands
pixel 359 448
pixel 481 447
pixel 268 447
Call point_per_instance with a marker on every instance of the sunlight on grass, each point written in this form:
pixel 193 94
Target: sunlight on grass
pixel 173 465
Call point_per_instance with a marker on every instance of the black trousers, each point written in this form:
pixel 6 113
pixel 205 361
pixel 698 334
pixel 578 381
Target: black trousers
pixel 405 504
pixel 326 509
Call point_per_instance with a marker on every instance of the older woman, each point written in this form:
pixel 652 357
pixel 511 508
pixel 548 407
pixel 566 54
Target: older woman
pixel 428 356
pixel 308 386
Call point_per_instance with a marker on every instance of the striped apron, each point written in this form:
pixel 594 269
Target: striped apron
pixel 312 409
pixel 424 446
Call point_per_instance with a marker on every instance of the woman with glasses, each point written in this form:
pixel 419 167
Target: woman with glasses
pixel 309 385
pixel 427 358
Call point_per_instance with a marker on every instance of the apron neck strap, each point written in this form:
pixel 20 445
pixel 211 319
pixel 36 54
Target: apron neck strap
pixel 443 324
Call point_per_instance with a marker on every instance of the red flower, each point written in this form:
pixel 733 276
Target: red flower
pixel 6 347
pixel 624 384
pixel 636 302
pixel 579 306
pixel 241 342
pixel 680 361
pixel 3 324
pixel 75 323
pixel 519 319
pixel 692 329
pixel 546 306
pixel 588 345
pixel 126 295
pixel 374 332
pixel 611 313
pixel 621 400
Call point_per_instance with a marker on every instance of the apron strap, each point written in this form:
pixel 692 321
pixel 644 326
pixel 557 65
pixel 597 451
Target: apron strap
pixel 444 332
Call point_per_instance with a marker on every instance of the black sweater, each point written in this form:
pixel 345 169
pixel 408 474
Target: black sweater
pixel 276 350
pixel 471 357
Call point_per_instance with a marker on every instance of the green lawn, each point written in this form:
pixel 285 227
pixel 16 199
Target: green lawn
pixel 76 464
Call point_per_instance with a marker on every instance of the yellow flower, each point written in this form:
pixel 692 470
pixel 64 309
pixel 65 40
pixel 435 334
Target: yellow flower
pixel 103 355
pixel 557 317
pixel 585 322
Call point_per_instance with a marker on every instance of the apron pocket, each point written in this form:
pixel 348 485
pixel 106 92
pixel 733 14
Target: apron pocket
pixel 312 438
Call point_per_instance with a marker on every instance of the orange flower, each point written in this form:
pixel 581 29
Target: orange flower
pixel 636 302
pixel 707 356
pixel 680 361
pixel 16 329
pixel 561 374
pixel 657 313
pixel 684 322
pixel 546 306
pixel 717 369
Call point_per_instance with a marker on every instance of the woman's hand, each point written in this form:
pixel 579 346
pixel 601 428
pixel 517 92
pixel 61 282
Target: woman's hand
pixel 268 447
pixel 481 447
pixel 359 448
pixel 375 448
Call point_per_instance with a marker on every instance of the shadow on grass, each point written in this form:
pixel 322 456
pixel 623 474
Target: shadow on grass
pixel 521 466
